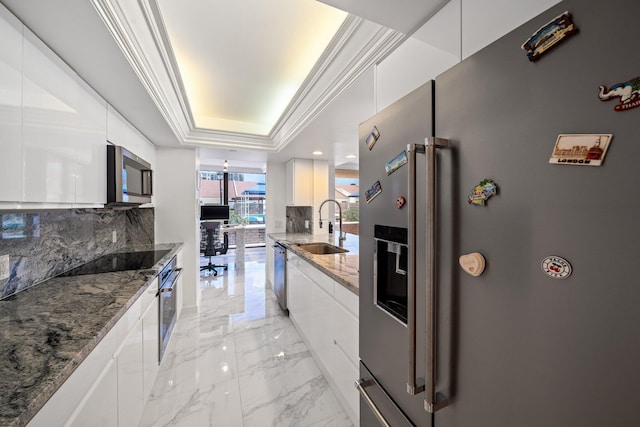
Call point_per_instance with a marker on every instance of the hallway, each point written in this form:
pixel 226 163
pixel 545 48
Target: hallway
pixel 239 361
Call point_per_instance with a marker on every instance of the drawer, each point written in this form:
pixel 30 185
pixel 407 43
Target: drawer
pixel 148 296
pixel 344 375
pixel 347 299
pixel 346 334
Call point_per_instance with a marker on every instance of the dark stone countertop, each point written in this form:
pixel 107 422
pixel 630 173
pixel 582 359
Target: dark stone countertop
pixel 47 330
pixel 342 267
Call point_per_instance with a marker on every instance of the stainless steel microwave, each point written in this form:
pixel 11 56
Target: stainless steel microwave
pixel 129 178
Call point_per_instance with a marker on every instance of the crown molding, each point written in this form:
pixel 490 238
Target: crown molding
pixel 357 46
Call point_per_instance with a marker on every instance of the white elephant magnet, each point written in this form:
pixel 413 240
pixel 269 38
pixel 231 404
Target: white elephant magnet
pixel 472 263
pixel 627 92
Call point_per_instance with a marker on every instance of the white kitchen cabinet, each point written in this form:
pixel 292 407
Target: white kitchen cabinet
pixel 92 385
pixel 321 330
pixel 344 375
pixel 150 339
pixel 346 323
pixel 121 132
pixel 130 378
pixel 10 107
pixel 63 132
pixel 298 293
pixel 299 182
pixel 326 316
pixel 484 21
pixel 99 407
pixel 112 384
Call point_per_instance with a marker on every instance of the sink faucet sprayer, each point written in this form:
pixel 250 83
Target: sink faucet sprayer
pixel 341 237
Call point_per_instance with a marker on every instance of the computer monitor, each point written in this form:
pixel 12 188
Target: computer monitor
pixel 214 212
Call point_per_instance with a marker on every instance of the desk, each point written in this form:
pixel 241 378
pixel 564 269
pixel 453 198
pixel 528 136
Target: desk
pixel 239 233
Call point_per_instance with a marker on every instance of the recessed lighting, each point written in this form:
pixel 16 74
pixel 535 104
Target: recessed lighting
pixel 351 156
pixel 318 153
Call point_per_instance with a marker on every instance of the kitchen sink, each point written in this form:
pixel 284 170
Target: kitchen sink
pixel 321 248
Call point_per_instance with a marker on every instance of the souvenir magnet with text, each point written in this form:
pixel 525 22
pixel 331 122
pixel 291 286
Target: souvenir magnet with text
pixel 580 149
pixel 556 267
pixel 400 201
pixel 481 192
pixel 627 92
pixel 472 263
pixel 548 36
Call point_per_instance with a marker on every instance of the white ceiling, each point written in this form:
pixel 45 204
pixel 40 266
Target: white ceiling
pixel 241 63
pixel 129 52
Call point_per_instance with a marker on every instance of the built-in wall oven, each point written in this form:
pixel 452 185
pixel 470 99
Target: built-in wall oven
pixel 167 307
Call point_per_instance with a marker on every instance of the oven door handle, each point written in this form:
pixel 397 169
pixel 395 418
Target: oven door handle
pixel 169 288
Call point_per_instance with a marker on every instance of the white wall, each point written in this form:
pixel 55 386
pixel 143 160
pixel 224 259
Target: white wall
pixel 177 212
pixel 320 194
pixel 275 209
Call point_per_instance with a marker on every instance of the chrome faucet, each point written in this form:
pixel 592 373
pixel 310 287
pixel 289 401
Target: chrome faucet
pixel 341 237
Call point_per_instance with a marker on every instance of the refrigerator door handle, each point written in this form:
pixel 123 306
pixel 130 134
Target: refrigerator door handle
pixel 433 401
pixel 360 385
pixel 412 150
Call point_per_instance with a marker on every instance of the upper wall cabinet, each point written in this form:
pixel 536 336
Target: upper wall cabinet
pixel 10 107
pixel 121 132
pixel 299 182
pixel 64 131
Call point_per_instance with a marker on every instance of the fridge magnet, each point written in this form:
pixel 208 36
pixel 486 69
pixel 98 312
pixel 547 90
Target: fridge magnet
pixel 373 137
pixel 628 92
pixel 373 192
pixel 556 267
pixel 395 164
pixel 481 192
pixel 472 263
pixel 400 202
pixel 580 149
pixel 548 36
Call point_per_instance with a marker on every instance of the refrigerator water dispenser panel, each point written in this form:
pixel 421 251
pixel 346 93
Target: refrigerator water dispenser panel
pixel 390 263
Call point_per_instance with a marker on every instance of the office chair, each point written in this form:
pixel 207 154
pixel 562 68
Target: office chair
pixel 214 246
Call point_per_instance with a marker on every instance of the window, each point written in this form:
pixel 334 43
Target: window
pixel 245 196
pixel 347 193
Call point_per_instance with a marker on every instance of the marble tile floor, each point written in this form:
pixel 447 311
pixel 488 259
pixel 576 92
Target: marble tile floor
pixel 240 362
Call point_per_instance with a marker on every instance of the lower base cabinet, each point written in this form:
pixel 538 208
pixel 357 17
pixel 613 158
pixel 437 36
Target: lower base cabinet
pixel 90 395
pixel 100 406
pixel 130 378
pixel 150 347
pixel 111 386
pixel 326 315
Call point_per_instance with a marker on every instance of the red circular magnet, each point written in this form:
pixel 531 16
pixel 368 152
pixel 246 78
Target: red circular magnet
pixel 400 201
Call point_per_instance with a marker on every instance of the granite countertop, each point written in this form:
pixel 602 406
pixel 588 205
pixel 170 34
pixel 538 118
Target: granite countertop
pixel 342 267
pixel 47 330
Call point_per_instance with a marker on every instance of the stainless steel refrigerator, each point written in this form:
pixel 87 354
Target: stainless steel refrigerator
pixel 474 163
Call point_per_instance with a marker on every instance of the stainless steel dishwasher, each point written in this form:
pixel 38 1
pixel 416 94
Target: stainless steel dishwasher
pixel 280 275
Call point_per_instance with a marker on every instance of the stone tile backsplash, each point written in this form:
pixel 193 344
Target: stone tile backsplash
pixel 43 244
pixel 296 218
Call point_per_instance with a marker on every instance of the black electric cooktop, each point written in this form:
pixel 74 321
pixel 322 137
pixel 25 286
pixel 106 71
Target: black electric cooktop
pixel 119 261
